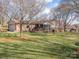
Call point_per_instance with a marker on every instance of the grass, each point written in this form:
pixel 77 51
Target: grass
pixel 39 46
pixel 8 34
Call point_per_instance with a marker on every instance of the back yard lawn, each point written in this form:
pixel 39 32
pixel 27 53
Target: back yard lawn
pixel 38 45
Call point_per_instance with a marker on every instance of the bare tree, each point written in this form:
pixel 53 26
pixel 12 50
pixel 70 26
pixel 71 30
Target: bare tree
pixel 66 14
pixel 30 8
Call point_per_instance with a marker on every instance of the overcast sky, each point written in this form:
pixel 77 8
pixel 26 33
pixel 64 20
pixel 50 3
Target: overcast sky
pixel 51 4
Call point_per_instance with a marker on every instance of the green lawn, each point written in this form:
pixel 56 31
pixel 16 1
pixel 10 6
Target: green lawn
pixel 39 46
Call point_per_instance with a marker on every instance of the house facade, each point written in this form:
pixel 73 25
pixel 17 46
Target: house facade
pixel 40 26
pixel 14 25
pixel 43 26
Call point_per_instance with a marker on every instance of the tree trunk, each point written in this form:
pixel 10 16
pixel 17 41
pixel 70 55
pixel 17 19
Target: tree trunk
pixel 64 27
pixel 20 28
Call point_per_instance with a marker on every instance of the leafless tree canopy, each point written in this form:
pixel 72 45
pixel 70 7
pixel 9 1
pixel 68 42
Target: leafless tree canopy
pixel 27 10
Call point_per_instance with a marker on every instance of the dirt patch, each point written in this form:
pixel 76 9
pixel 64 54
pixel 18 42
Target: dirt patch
pixel 18 39
pixel 8 40
pixel 15 39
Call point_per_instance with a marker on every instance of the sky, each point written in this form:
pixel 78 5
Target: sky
pixel 51 4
